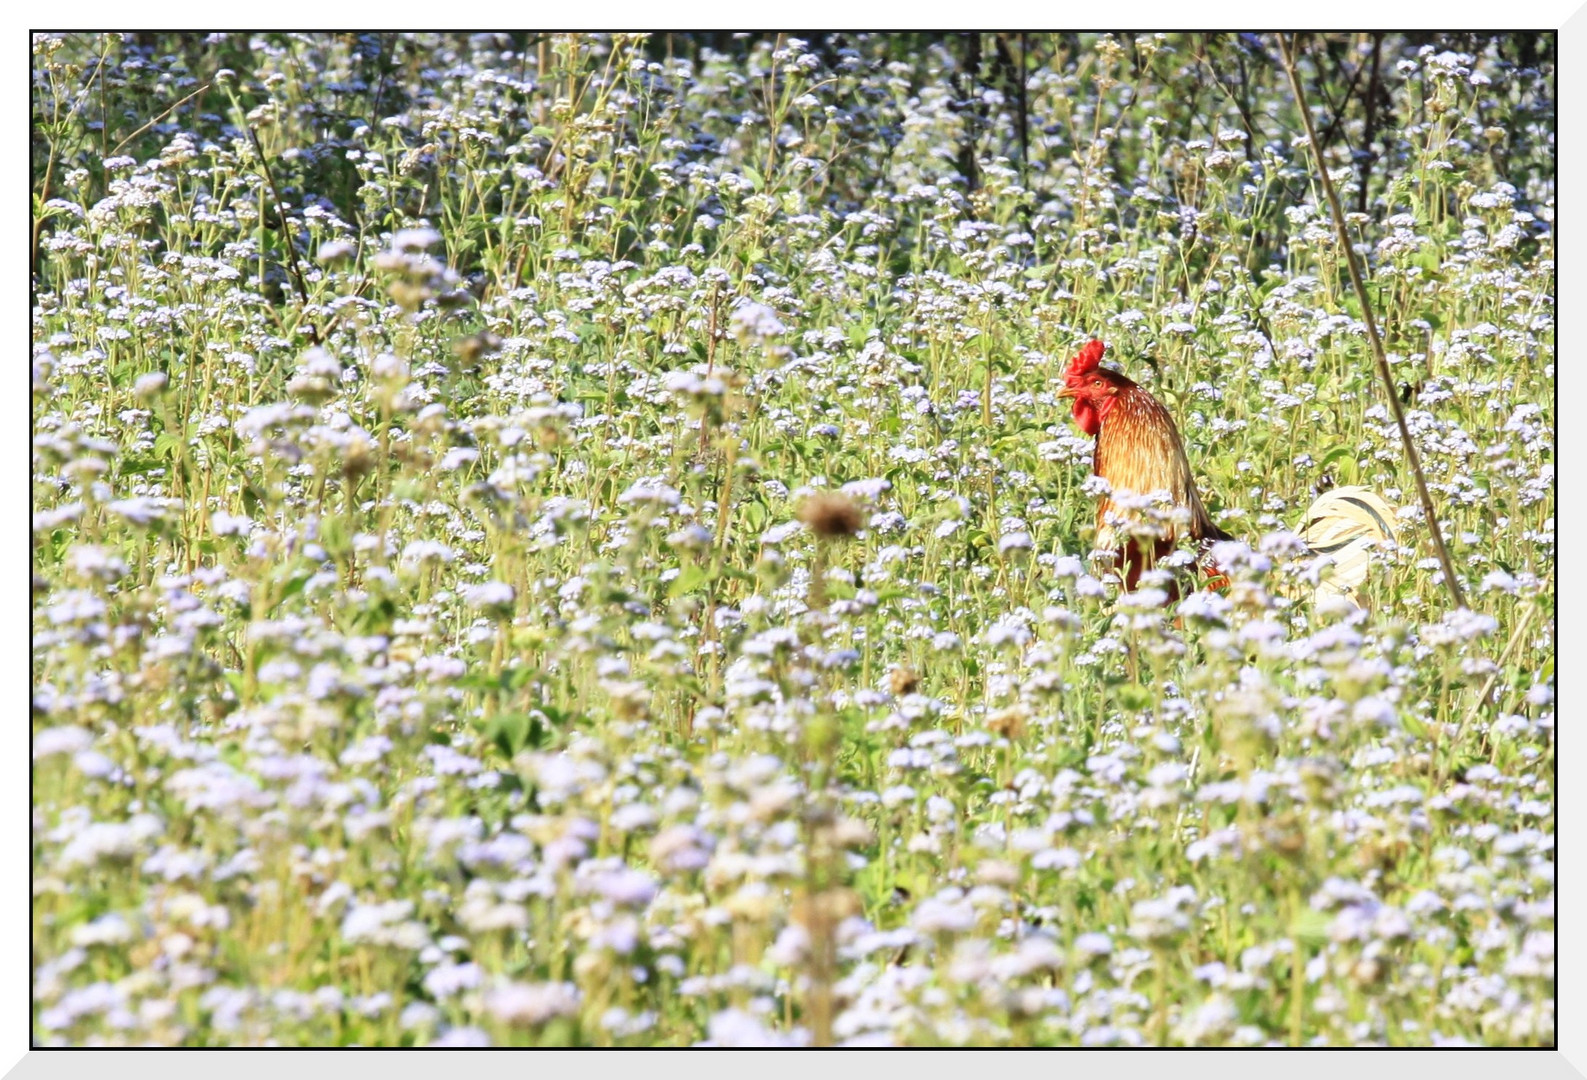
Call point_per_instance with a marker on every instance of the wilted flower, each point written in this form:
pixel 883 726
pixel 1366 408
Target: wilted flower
pixel 756 322
pixel 532 1004
pixel 831 515
pixel 492 597
pixel 150 386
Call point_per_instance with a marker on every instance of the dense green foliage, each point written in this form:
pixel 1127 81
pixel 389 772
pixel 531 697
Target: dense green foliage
pixel 572 540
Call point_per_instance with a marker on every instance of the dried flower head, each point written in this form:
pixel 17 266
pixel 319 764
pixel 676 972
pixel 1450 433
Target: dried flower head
pixel 472 349
pixel 831 515
pixel 1009 722
pixel 902 680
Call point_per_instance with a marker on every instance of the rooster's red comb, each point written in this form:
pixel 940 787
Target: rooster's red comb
pixel 1086 360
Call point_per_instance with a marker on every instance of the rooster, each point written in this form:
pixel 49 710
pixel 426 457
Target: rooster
pixel 1139 451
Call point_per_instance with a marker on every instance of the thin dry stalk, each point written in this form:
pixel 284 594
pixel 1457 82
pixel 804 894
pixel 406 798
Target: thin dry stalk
pixel 120 146
pixel 1288 49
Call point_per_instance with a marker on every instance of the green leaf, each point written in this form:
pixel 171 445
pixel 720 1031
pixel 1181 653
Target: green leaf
pixel 1134 697
pixel 1310 926
pixel 293 587
pixel 166 444
pixel 376 615
pixel 139 466
pixel 755 514
pixel 1413 725
pixel 688 580
pixel 1336 454
pixel 510 732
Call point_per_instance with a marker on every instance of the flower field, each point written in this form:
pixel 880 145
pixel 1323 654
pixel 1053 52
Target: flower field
pixel 546 540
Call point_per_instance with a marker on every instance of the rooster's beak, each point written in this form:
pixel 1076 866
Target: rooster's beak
pixel 1069 391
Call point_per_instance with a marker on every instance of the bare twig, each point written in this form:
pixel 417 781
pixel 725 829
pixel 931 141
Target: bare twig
pixel 286 235
pixel 966 83
pixel 1372 124
pixel 158 118
pixel 1339 110
pixel 1504 658
pixel 1024 108
pixel 1288 49
pixel 1013 74
pixel 1247 121
pixel 710 366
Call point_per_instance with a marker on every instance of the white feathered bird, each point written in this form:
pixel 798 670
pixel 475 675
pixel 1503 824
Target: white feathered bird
pixel 1346 526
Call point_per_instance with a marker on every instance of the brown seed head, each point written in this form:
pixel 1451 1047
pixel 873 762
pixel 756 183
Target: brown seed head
pixel 1009 723
pixel 902 680
pixel 1368 971
pixel 471 349
pixel 358 460
pixel 831 514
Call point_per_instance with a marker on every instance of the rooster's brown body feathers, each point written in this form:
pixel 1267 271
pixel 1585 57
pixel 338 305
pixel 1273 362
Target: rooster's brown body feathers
pixel 1139 450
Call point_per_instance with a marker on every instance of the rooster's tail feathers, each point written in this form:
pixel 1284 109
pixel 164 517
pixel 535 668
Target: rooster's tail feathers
pixel 1346 525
